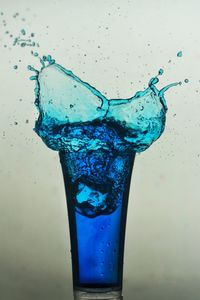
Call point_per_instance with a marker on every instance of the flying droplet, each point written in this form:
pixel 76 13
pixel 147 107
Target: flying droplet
pixel 180 54
pixel 34 53
pixel 23 32
pixel 160 72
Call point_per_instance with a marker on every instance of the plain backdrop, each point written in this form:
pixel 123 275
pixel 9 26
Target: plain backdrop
pixel 116 46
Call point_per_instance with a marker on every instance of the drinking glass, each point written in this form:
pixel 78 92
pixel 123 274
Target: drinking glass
pixel 97 188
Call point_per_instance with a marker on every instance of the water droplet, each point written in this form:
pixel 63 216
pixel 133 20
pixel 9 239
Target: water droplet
pixel 180 54
pixel 34 53
pixel 23 32
pixel 186 80
pixel 15 67
pixel 15 15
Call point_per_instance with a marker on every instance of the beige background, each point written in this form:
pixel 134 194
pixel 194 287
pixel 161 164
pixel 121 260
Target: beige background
pixel 115 46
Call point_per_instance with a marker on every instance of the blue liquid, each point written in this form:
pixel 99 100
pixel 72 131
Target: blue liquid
pixel 97 228
pixel 97 139
pixel 180 54
pixel 65 101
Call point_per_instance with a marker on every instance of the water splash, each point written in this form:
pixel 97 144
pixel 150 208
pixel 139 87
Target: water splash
pixel 96 137
pixel 69 108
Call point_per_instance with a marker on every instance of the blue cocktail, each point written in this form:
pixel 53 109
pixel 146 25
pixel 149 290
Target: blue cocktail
pixel 97 139
pixel 97 187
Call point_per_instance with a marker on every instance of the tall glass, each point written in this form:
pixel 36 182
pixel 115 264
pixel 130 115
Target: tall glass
pixel 97 187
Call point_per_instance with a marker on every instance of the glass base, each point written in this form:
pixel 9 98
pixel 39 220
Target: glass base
pixel 100 295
